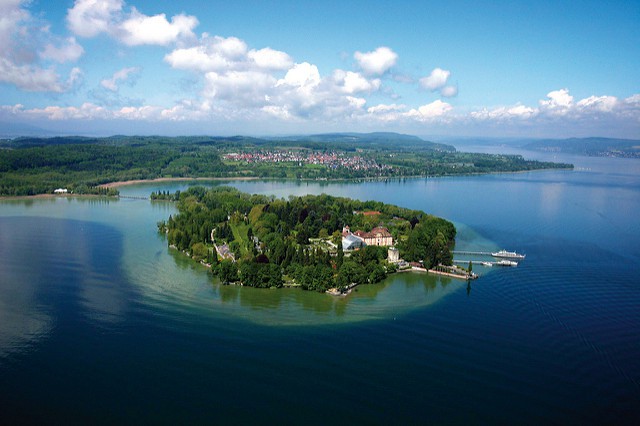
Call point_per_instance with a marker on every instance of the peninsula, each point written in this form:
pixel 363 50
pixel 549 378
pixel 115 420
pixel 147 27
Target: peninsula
pixel 30 166
pixel 321 243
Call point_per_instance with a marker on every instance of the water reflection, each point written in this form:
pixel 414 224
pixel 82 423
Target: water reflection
pixel 54 270
pixel 399 293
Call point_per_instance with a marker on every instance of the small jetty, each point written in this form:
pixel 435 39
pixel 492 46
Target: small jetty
pixel 502 262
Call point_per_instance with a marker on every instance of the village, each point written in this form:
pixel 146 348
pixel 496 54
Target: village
pixel 330 159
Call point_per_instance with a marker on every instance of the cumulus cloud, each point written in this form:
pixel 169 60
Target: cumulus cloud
pixel 558 102
pixel 301 75
pixel 353 82
pixel 249 88
pixel 270 59
pixel 376 62
pixel 113 83
pixel 598 103
pixel 89 18
pixel 28 51
pixel 449 91
pixel 436 110
pixel 140 29
pixel 430 111
pixel 560 109
pixel 68 50
pixel 437 81
pixel 504 113
pixel 226 54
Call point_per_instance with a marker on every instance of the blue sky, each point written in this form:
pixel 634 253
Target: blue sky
pixel 455 68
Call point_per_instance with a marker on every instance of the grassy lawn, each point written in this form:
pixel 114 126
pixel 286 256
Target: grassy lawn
pixel 240 234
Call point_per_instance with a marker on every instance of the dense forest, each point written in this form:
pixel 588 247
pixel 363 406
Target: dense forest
pixel 31 166
pixel 261 241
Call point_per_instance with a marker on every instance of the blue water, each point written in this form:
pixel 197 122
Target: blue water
pixel 101 323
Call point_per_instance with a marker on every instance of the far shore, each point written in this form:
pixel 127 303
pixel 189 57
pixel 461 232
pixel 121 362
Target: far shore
pixel 171 179
pixel 47 196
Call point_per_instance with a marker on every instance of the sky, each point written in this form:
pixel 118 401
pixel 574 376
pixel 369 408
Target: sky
pixel 454 68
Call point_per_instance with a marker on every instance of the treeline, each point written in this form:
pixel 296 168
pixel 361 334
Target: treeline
pixel 271 238
pixel 82 167
pixel 31 166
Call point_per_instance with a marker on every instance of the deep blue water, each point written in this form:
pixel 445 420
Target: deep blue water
pixel 101 323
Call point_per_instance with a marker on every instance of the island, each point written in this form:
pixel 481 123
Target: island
pixel 83 165
pixel 321 243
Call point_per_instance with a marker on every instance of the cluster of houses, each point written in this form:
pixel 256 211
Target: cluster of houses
pixel 333 160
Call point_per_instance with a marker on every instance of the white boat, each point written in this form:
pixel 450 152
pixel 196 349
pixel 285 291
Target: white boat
pixel 487 264
pixel 508 254
pixel 505 262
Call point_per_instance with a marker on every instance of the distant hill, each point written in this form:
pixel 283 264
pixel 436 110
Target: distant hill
pixel 350 141
pixel 375 139
pixel 13 130
pixel 594 147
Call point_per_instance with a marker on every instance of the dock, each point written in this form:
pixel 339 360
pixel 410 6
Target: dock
pixel 472 253
pixel 503 262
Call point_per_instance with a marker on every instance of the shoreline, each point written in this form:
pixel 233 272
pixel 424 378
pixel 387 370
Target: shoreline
pixel 172 179
pixel 120 184
pixel 49 196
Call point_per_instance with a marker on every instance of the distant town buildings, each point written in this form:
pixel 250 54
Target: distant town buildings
pixel 331 159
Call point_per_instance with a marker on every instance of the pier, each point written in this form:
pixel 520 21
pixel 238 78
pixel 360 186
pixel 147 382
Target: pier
pixel 486 263
pixel 132 197
pixel 473 253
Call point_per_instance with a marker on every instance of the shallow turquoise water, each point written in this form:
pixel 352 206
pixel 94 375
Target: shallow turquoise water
pixel 101 322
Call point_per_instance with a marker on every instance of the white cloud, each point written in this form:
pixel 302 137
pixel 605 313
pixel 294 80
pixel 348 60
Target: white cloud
pixel 558 102
pixel 27 50
pixel 504 113
pixel 353 82
pixel 70 50
pixel 270 59
pixel 435 109
pixel 436 80
pixel 29 78
pixel 449 91
pixel 140 29
pixel 376 62
pixel 221 54
pixel 12 16
pixel 112 83
pixel 246 88
pixel 89 18
pixel 301 75
pixel 598 103
pixel 382 108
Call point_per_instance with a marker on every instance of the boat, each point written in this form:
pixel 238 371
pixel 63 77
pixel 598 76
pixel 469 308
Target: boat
pixel 508 254
pixel 487 264
pixel 505 262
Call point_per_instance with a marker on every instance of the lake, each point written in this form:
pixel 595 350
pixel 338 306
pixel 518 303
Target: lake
pixel 100 322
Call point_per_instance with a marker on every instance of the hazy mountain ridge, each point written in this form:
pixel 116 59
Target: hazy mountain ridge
pixel 594 146
pixel 377 140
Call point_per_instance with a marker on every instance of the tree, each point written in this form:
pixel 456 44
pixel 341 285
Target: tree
pixel 340 255
pixel 228 271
